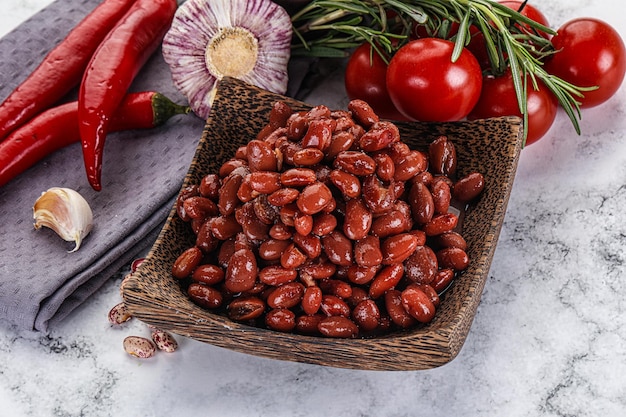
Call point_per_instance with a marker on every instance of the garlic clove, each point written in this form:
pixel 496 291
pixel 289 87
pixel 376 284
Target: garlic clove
pixel 246 39
pixel 66 212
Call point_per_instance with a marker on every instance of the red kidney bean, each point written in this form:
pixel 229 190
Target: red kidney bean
pixel 355 162
pixel 292 257
pixel 185 194
pixel 425 177
pixel 421 203
pixel 297 177
pixel 198 207
pixel 246 308
pixel 311 245
pixel 208 274
pixel 385 168
pixel 379 136
pixel 366 315
pixel 429 291
pixel 312 300
pixel 367 251
pixel 209 186
pixel 264 211
pixel 204 296
pixel 251 225
pixel 307 324
pixel 397 150
pixel 338 326
pixel 279 114
pixel 276 275
pixel 386 280
pixel 334 306
pixel 242 271
pixel 319 269
pixel 440 223
pixel 313 198
pixel 441 196
pixel 417 303
pixel 318 112
pixel 260 156
pixel 231 166
pixel 361 275
pixel 280 231
pixel 303 223
pixel 287 214
pixel 319 135
pixel 336 287
pixel 358 295
pixel 398 315
pixel 281 320
pixel 225 227
pixel 442 156
pixel 265 182
pixel 228 200
pixel 323 224
pixel 442 279
pixel 450 240
pixel 340 141
pixel 308 157
pixel 245 192
pixel 338 248
pixel 205 239
pixel 454 258
pixel 283 196
pixel 297 125
pixel 410 165
pixel 187 262
pixel 390 224
pixel 286 295
pixel 421 266
pixel 349 185
pixel 469 187
pixel 225 252
pixel 378 198
pixel 397 248
pixel 362 113
pixel 358 219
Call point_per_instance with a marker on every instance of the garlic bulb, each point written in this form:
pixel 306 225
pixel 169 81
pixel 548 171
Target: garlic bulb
pixel 210 39
pixel 66 212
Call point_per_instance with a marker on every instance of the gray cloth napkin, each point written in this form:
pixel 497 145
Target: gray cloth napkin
pixel 40 282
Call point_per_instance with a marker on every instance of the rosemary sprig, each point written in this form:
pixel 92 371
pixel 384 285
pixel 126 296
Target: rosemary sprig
pixel 331 28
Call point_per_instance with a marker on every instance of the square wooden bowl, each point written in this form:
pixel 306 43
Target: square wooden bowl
pixel 239 111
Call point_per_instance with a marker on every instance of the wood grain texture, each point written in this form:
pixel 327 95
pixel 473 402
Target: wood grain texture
pixel 239 111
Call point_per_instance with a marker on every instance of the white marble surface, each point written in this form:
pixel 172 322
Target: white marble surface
pixel 549 338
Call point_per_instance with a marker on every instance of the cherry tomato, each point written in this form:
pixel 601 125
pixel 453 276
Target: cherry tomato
pixel 590 53
pixel 476 44
pixel 498 99
pixel 365 79
pixel 424 84
pixel 530 12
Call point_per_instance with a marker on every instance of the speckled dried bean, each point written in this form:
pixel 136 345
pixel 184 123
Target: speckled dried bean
pixel 119 314
pixel 164 341
pixel 139 347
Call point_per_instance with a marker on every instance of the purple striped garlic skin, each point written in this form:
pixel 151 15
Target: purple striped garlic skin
pixel 210 39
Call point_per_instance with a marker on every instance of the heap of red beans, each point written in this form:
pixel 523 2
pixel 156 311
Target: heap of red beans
pixel 326 224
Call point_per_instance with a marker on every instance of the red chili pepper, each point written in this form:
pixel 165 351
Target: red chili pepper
pixel 57 127
pixel 62 68
pixel 112 69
